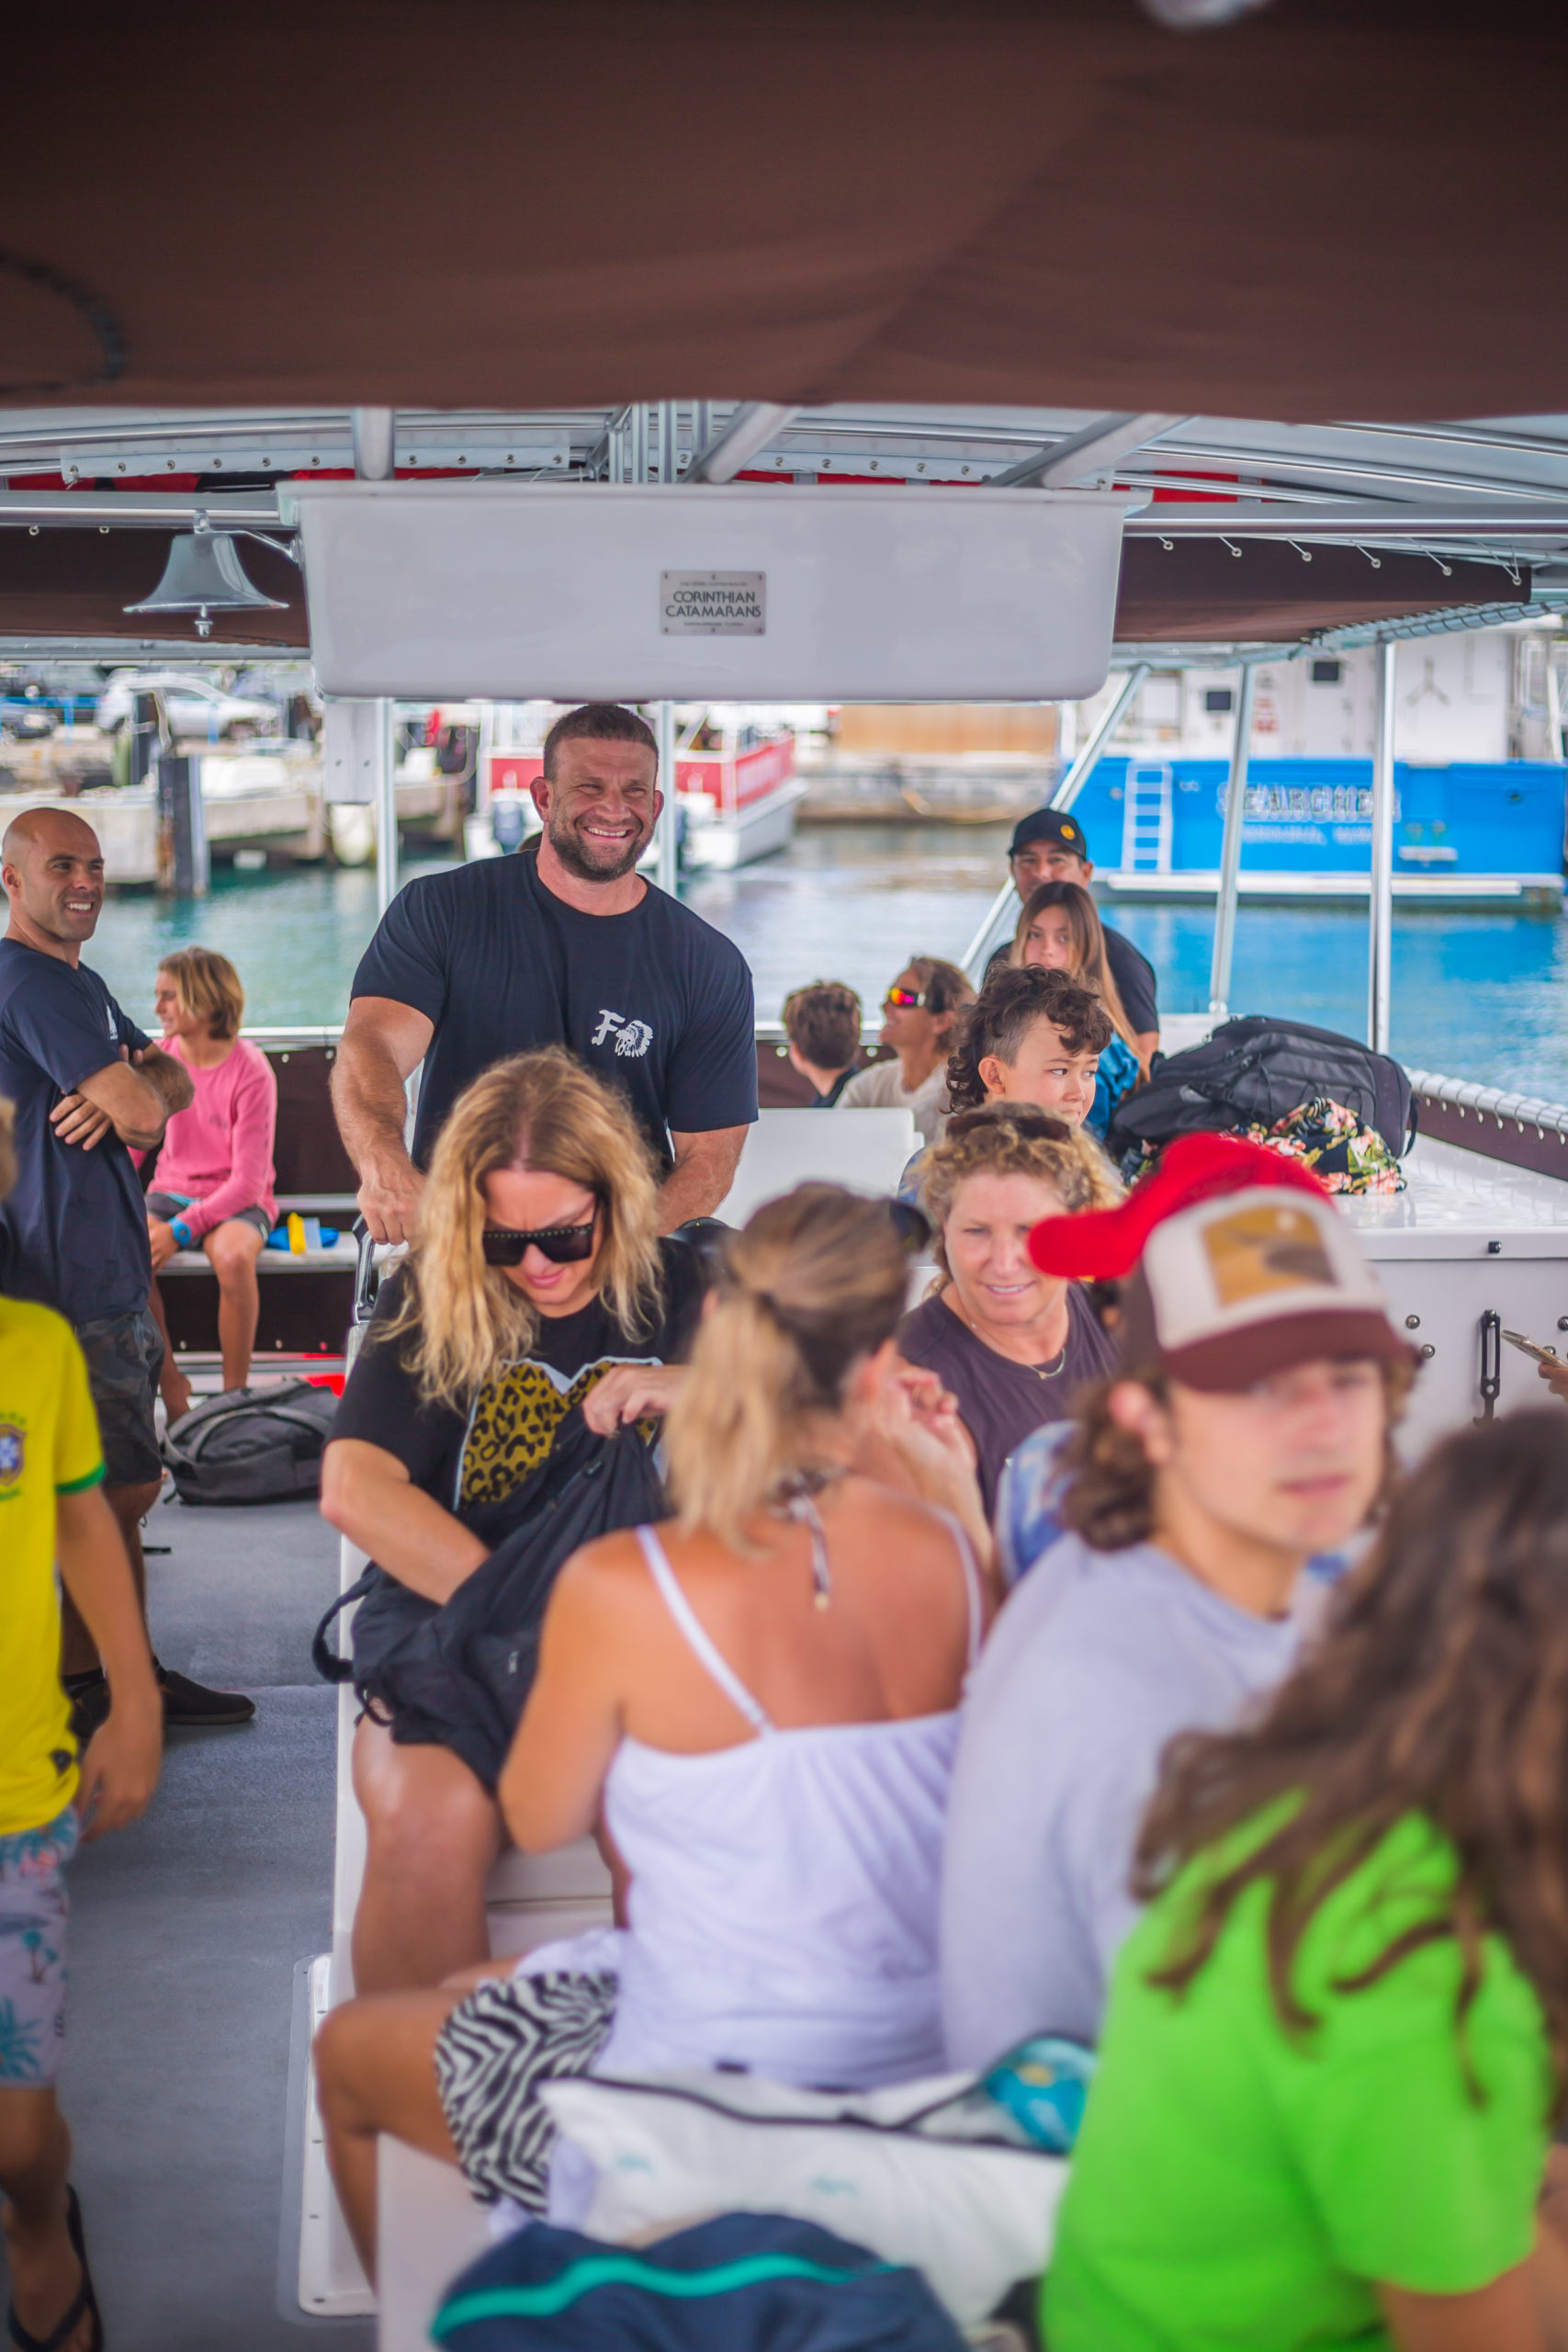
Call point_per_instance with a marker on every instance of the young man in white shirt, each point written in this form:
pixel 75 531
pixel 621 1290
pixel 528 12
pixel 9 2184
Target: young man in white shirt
pixel 1246 1432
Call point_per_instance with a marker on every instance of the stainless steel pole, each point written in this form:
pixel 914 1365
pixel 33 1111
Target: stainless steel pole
pixel 1230 852
pixel 668 834
pixel 386 809
pixel 1555 746
pixel 1002 912
pixel 1078 775
pixel 1380 927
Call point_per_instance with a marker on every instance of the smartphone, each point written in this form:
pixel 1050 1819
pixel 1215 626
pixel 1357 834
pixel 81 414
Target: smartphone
pixel 1532 1348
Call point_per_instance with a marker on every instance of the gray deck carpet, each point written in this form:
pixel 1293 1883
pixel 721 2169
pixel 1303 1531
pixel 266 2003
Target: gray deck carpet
pixel 185 1934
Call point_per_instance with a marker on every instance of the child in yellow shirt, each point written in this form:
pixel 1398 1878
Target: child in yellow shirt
pixel 51 1510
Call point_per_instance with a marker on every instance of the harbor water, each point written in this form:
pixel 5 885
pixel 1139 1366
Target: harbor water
pixel 1481 996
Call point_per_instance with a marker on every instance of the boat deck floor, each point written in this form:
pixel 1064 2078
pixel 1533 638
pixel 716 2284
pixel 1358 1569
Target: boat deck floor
pixel 185 1933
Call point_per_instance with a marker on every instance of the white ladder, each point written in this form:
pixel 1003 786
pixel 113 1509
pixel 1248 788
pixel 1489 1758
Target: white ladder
pixel 1146 818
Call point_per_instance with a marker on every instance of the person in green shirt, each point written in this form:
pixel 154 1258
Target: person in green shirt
pixel 1337 2044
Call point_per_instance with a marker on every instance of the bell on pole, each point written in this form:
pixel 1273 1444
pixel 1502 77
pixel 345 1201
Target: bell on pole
pixel 204 575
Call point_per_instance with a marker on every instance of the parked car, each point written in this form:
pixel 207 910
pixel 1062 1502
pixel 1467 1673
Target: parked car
pixel 196 706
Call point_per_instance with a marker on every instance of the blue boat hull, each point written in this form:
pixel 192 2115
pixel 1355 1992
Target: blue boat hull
pixel 1479 831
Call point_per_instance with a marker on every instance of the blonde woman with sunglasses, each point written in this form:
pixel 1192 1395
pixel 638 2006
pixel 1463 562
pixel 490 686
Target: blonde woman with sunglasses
pixel 760 1696
pixel 536 1282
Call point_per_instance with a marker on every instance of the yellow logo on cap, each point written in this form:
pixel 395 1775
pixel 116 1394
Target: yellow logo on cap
pixel 1257 1251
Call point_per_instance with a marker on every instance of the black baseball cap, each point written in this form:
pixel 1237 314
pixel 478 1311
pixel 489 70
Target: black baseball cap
pixel 1049 825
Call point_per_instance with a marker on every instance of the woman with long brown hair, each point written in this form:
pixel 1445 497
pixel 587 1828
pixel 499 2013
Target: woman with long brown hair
pixel 1059 930
pixel 1337 2043
pixel 538 1284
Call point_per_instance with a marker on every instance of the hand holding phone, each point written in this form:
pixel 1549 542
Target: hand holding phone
pixel 1534 1347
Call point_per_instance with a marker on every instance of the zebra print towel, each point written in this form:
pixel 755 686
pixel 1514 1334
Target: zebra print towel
pixel 495 2048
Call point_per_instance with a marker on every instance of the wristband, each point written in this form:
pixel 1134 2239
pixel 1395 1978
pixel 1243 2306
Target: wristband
pixel 182 1233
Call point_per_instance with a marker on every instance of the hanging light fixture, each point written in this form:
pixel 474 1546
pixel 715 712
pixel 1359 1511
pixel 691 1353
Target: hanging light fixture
pixel 204 575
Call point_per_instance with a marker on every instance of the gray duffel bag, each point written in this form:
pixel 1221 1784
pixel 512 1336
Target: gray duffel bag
pixel 253 1445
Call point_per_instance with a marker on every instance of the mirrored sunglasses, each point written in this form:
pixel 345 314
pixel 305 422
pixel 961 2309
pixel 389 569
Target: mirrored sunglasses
pixel 905 999
pixel 563 1245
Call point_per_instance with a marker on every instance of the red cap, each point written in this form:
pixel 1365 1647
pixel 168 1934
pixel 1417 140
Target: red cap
pixel 1240 1265
pixel 1105 1243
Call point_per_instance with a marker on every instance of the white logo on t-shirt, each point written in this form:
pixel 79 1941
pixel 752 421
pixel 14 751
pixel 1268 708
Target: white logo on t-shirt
pixel 633 1038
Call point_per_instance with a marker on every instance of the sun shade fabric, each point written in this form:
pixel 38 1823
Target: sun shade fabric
pixel 1325 209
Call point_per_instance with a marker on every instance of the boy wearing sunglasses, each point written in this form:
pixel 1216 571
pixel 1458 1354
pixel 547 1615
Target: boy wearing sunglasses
pixel 918 1017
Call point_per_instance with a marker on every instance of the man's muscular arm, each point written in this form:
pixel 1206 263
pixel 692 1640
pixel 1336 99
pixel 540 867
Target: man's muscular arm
pixel 704 1173
pixel 383 1043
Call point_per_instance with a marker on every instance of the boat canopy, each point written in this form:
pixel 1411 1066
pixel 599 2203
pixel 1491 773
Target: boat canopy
pixel 1054 244
pixel 1325 208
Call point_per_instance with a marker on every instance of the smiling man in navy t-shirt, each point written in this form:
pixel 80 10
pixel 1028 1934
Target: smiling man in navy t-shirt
pixel 562 944
pixel 88 1088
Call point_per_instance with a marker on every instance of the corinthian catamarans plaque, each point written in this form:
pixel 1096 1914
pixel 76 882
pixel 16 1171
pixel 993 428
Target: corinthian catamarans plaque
pixel 712 604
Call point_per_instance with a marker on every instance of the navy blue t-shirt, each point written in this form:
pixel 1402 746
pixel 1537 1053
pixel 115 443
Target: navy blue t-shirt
pixel 77 1222
pixel 655 1001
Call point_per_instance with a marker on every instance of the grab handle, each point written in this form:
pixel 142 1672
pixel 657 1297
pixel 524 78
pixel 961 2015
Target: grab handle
pixel 363 1273
pixel 1490 1364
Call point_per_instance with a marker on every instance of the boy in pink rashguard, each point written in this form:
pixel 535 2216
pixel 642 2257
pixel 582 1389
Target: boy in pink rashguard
pixel 212 1187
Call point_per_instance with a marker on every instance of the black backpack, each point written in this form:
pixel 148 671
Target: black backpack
pixel 251 1445
pixel 1257 1070
pixel 456 1674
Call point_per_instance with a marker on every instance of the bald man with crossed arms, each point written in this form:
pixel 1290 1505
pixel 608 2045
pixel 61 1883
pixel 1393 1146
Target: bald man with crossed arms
pixel 88 1088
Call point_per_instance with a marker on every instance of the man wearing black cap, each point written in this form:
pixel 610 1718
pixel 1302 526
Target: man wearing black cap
pixel 1049 847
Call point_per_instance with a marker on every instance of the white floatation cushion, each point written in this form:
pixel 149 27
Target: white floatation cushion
pixel 974 2216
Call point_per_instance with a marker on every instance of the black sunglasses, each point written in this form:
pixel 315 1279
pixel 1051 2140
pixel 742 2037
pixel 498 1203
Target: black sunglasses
pixel 563 1245
pixel 1026 1117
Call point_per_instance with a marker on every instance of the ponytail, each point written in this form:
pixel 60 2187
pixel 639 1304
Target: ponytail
pixel 814 1284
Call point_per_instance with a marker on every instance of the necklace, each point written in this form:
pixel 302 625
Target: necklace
pixel 797 1501
pixel 1041 1371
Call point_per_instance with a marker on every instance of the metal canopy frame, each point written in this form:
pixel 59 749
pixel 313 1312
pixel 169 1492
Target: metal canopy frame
pixel 1464 486
pixel 1492 489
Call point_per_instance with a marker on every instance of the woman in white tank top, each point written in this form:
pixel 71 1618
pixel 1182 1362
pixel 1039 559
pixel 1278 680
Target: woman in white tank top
pixel 757 1701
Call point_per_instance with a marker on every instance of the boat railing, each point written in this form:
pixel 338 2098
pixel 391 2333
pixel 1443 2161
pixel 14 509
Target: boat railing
pixel 1483 1102
pixel 1520 1129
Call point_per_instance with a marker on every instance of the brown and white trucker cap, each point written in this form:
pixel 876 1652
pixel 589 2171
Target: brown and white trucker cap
pixel 1237 1265
pixel 1238 1288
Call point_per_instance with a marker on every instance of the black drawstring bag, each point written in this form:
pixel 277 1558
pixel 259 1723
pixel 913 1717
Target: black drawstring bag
pixel 456 1674
pixel 1254 1070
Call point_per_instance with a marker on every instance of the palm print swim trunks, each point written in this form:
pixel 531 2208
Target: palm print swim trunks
pixel 33 1908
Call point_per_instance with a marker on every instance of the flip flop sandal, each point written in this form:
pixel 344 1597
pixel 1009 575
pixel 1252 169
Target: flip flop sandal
pixel 84 2303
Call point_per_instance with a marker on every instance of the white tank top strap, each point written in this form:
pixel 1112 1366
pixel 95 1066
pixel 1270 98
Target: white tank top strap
pixel 698 1640
pixel 971 1584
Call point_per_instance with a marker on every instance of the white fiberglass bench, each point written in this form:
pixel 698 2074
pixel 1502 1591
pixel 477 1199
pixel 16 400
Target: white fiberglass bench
pixel 868 1150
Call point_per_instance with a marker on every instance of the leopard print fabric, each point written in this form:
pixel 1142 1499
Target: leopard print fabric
pixel 515 1423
